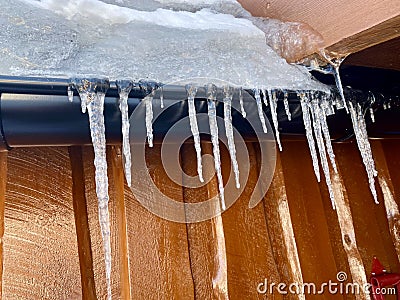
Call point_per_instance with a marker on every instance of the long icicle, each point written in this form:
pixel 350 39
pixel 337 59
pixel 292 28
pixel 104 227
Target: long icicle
pixel 94 102
pixel 309 134
pixel 228 95
pixel 316 113
pixel 191 93
pixel 273 105
pixel 360 131
pixel 257 96
pixel 124 88
pixel 328 141
pixel 212 118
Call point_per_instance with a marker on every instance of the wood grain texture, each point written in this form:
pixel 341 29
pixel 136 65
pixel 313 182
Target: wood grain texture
pixel 40 247
pixel 370 221
pixel 385 55
pixel 158 259
pixel 308 216
pixel 3 181
pixel 82 224
pixel 158 249
pixel 336 20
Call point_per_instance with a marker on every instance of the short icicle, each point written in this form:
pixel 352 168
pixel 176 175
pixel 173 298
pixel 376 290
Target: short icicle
pixel 92 92
pixel 286 103
pixel 308 126
pixel 124 88
pixel 257 96
pixel 244 114
pixel 273 101
pixel 228 95
pixel 212 117
pixel 191 93
pixel 162 97
pixel 70 94
pixel 149 118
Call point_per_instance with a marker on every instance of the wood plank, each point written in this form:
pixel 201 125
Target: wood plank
pixel 82 224
pixel 117 192
pixel 336 20
pixel 385 55
pixel 3 181
pixel 280 229
pixel 377 34
pixel 308 216
pixel 370 222
pixel 120 283
pixel 158 249
pixel 40 248
pixel 388 195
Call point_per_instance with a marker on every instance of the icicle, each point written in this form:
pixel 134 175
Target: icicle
pixel 94 101
pixel 228 94
pixel 371 112
pixel 286 103
pixel 340 86
pixel 328 142
pixel 316 114
pixel 260 109
pixel 191 92
pixel 124 88
pixel 162 97
pixel 265 98
pixel 273 104
pixel 335 63
pixel 309 134
pixel 360 131
pixel 70 94
pixel 241 103
pixel 149 118
pixel 212 117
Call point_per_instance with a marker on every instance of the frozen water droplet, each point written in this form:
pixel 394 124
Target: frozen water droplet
pixel 212 117
pixel 308 126
pixel 273 104
pixel 260 109
pixel 286 103
pixel 241 103
pixel 124 88
pixel 228 94
pixel 191 92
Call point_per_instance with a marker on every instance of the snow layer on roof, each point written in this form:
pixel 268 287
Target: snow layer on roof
pixel 92 37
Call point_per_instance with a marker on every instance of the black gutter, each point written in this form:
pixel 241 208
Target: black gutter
pixel 36 112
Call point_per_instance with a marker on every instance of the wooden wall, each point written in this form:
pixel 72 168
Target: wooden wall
pixel 52 246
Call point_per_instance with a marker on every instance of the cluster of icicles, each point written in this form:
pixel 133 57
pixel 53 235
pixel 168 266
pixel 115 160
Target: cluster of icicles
pixel 316 106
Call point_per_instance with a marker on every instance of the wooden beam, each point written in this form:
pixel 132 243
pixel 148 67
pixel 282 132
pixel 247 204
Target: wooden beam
pixel 3 182
pixel 117 183
pixel 346 26
pixel 82 224
pixel 369 37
